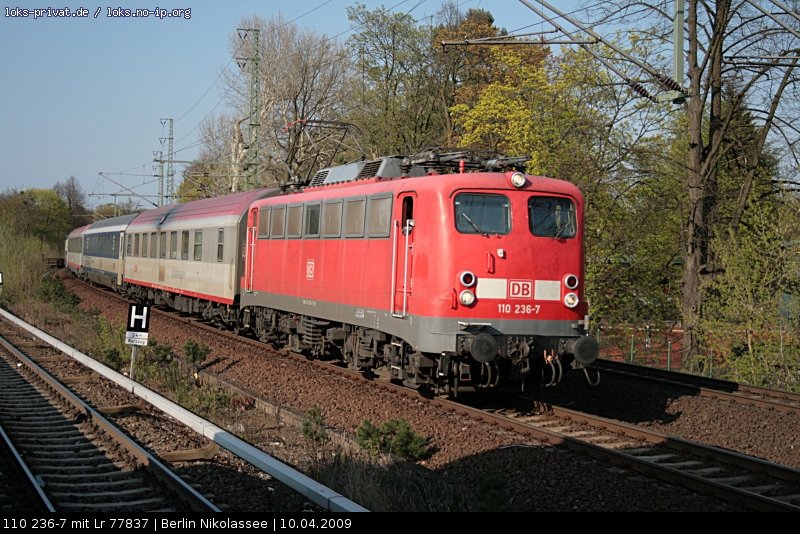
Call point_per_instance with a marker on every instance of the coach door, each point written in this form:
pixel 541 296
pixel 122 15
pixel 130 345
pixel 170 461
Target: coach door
pixel 402 256
pixel 120 258
pixel 250 252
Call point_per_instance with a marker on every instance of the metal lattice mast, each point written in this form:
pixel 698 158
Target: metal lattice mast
pixel 158 156
pixel 170 185
pixel 252 61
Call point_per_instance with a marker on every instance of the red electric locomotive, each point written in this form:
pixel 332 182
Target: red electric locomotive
pixel 442 271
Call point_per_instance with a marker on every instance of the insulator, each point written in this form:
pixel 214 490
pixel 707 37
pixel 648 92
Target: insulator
pixel 636 86
pixel 668 82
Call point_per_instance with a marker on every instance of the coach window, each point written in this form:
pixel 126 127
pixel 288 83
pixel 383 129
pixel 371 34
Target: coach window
pixel 552 217
pixel 129 246
pixel 136 245
pixel 263 223
pixel 153 245
pixel 144 245
pixel 198 245
pixel 354 217
pixel 332 219
pixel 173 245
pixel 294 221
pixel 162 245
pixel 311 227
pixel 379 216
pixel 278 221
pixel 220 244
pixel 185 245
pixel 478 213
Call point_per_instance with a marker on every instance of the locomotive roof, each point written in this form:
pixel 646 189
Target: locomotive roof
pixel 497 181
pixel 217 208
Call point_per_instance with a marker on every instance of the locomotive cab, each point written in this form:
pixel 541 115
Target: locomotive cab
pixel 514 267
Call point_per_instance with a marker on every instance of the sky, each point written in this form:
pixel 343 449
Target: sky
pixel 85 95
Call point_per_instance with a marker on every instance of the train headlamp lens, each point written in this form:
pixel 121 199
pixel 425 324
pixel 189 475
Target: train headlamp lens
pixel 518 179
pixel 571 300
pixel 467 297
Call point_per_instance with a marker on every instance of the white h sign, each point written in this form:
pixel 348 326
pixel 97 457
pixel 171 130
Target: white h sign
pixel 138 325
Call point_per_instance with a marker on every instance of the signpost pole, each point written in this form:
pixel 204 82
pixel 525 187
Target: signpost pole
pixel 134 350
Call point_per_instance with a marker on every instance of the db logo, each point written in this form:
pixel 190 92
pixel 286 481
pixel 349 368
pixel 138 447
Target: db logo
pixel 310 269
pixel 520 289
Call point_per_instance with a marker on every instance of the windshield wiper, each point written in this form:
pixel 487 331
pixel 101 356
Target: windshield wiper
pixel 472 223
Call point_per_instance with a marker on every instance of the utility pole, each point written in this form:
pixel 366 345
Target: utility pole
pixel 170 193
pixel 159 158
pixel 252 60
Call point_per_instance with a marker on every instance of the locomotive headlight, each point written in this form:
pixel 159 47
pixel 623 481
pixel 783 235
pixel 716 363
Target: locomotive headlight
pixel 571 281
pixel 467 279
pixel 571 300
pixel 518 179
pixel 466 297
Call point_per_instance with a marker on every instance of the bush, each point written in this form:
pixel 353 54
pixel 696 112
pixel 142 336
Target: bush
pixel 314 426
pixel 52 291
pixel 195 353
pixel 394 437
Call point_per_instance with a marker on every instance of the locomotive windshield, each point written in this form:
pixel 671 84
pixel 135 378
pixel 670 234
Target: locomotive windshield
pixel 482 214
pixel 552 217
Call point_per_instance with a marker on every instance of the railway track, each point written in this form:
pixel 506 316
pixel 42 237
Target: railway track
pixel 781 401
pixel 19 489
pixel 739 479
pixel 81 461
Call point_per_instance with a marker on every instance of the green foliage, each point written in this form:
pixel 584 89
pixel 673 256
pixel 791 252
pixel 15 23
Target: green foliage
pixel 40 213
pixel 160 352
pixel 752 314
pixel 314 426
pixel 52 291
pixel 109 345
pixel 394 437
pixel 20 261
pixel 195 353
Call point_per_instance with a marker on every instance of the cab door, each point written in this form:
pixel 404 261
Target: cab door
pixel 402 253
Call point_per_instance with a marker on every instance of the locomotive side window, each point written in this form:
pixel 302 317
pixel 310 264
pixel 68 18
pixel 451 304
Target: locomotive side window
pixel 263 222
pixel 198 245
pixel 173 245
pixel 162 245
pixel 311 227
pixel 552 217
pixel 379 216
pixel 220 244
pixel 332 219
pixel 478 213
pixel 408 210
pixel 354 217
pixel 144 245
pixel 278 221
pixel 153 245
pixel 185 245
pixel 294 221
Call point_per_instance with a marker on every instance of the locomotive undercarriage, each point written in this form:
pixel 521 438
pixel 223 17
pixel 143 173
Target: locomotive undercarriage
pixel 526 362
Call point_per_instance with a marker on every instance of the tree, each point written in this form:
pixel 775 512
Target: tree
pixel 72 192
pixel 41 213
pixel 302 78
pixel 395 96
pixel 753 51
